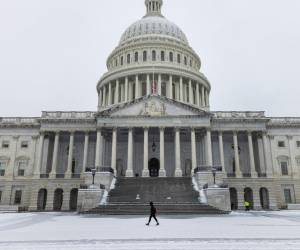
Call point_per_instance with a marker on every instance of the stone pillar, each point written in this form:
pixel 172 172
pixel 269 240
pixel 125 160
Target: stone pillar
pixel 292 156
pixel 251 155
pixel 181 89
pixel 100 99
pixel 236 155
pixel 206 98
pixel 159 85
pixel 191 95
pixel 98 150
pixel 129 172
pixel 54 157
pixel 117 92
pixel 197 95
pixel 178 170
pixel 146 139
pixel 37 170
pixel 85 152
pixel 277 170
pixel 162 171
pixel 170 87
pixel 122 93
pixel 148 85
pixel 70 156
pixel 202 96
pixel 267 156
pixel 114 151
pixel 193 149
pixel 109 94
pixel 221 150
pixel 137 87
pixel 209 160
pixel 126 88
pixel 104 96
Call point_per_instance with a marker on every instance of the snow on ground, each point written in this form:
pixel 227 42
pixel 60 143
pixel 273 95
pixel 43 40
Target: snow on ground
pixel 239 230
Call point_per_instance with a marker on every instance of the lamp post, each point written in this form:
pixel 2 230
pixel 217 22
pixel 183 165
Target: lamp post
pixel 93 174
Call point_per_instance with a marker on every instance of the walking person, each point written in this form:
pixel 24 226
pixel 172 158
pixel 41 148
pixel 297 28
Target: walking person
pixel 152 214
pixel 247 205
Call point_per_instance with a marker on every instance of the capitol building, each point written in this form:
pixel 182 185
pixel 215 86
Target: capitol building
pixel 153 128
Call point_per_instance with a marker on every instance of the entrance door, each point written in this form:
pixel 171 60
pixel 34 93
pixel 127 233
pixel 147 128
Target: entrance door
pixel 154 167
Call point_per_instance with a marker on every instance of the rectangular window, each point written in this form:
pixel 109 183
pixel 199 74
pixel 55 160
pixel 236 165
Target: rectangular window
pixel 281 144
pixel 18 197
pixel 284 168
pixel 24 144
pixel 2 168
pixel 298 144
pixel 5 144
pixel 22 167
pixel 287 196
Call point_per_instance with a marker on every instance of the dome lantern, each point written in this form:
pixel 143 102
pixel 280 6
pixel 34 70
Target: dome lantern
pixel 153 7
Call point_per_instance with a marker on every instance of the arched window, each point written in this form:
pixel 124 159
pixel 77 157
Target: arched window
pixel 153 55
pixel 171 56
pixel 185 60
pixel 116 62
pixel 136 56
pixel 162 56
pixel 128 59
pixel 144 56
pixel 178 58
pixel 264 198
pixel 122 60
pixel 233 198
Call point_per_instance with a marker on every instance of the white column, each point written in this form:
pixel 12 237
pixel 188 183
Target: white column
pixel 171 87
pixel 193 149
pixel 148 85
pixel 181 89
pixel 117 92
pixel 126 88
pixel 236 155
pixel 197 95
pixel 146 139
pixel 221 150
pixel 267 156
pixel 104 96
pixel 85 152
pixel 37 170
pixel 129 172
pixel 251 155
pixel 109 94
pixel 178 170
pixel 68 173
pixel 292 156
pixel 207 98
pixel 162 171
pixel 98 150
pixel 114 151
pixel 159 85
pixel 137 87
pixel 54 157
pixel 202 96
pixel 191 96
pixel 100 99
pixel 122 92
pixel 209 160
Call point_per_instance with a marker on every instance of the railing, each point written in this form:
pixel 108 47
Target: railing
pixel 106 170
pixel 68 115
pixel 236 114
pixel 75 176
pixel 284 121
pixel 60 176
pixel 246 175
pixel 208 169
pixel 18 120
pixel 44 176
pixel 262 175
pixel 230 175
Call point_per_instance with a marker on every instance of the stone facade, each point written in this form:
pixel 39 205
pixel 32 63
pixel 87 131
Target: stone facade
pixel 153 119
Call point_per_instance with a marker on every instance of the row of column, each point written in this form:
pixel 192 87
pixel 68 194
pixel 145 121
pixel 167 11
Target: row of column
pixel 178 171
pixel 123 92
pixel 68 173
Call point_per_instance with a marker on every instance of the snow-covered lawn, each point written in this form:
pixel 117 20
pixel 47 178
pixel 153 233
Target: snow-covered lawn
pixel 239 230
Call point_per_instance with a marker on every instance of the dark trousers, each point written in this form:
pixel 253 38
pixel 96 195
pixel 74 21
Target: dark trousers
pixel 154 217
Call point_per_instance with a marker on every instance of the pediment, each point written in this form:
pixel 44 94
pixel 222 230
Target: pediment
pixel 153 106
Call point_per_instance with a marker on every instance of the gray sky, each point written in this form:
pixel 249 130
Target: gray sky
pixel 53 52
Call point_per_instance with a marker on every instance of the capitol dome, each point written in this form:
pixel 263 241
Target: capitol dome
pixel 153 25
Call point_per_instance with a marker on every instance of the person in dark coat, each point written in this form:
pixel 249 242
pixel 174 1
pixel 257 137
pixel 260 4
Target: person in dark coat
pixel 152 214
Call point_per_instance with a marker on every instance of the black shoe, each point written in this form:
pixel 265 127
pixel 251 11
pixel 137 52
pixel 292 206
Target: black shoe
pixel 147 224
pixel 157 224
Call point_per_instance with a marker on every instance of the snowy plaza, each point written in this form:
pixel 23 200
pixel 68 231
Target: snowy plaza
pixel 238 230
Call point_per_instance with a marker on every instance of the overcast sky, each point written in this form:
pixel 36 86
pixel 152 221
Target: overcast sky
pixel 52 52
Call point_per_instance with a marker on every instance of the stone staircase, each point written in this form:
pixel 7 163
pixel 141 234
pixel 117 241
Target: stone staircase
pixel 131 196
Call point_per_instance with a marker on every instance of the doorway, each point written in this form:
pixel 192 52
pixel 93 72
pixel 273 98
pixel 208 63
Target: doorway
pixel 154 167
